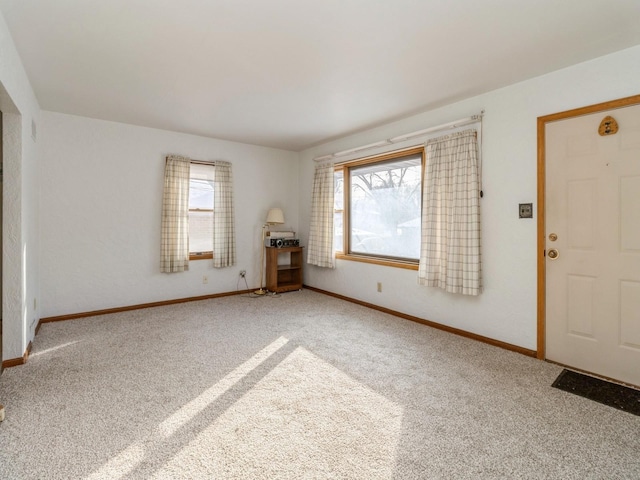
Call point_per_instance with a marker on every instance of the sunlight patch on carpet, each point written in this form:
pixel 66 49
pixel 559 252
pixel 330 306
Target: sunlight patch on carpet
pixel 128 459
pixel 52 349
pixel 304 417
pixel 191 409
pixel 120 465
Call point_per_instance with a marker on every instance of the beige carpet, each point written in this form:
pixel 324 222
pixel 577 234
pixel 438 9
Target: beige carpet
pixel 302 386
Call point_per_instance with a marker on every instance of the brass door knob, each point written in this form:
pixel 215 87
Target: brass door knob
pixel 553 254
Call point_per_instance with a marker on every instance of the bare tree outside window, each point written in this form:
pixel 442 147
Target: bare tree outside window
pixel 384 208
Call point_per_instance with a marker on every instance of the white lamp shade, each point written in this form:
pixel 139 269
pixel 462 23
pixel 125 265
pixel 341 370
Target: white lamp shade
pixel 274 216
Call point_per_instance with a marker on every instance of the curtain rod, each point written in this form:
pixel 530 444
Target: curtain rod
pixel 407 136
pixel 191 160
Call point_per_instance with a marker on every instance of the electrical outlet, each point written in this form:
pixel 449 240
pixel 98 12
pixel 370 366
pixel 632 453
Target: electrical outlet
pixel 243 273
pixel 379 286
pixel 205 279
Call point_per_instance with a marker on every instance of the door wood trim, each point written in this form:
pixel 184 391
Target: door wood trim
pixel 541 267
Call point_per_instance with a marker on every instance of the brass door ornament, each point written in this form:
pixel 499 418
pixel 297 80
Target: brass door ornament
pixel 608 126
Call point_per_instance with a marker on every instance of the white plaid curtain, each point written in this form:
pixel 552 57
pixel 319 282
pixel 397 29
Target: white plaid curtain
pixel 321 231
pixel 224 235
pixel 174 251
pixel 450 252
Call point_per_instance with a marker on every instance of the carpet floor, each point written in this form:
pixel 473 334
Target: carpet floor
pixel 300 386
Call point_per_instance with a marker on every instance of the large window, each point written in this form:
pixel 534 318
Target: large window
pixel 201 211
pixel 378 208
pixel 338 207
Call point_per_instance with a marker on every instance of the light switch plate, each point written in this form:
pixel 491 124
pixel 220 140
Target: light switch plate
pixel 526 210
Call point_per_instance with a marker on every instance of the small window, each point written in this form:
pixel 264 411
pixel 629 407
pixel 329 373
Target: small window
pixel 378 208
pixel 201 211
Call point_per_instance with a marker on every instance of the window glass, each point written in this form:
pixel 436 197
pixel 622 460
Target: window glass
pixel 201 209
pixel 384 208
pixel 338 199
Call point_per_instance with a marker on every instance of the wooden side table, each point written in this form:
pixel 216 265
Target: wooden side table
pixel 286 276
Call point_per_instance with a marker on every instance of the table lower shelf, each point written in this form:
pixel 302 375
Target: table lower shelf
pixel 286 287
pixel 287 276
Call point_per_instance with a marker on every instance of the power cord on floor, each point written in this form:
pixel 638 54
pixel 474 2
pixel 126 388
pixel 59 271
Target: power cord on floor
pixel 242 277
pixel 252 294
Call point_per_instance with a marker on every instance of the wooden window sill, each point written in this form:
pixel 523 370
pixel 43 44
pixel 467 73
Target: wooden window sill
pixel 387 262
pixel 201 256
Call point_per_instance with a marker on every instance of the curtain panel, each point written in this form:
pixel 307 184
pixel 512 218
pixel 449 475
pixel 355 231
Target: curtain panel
pixel 450 256
pixel 320 247
pixel 224 235
pixel 174 251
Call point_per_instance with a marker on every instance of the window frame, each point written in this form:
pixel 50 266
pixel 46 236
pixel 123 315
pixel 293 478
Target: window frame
pixel 204 255
pixel 344 253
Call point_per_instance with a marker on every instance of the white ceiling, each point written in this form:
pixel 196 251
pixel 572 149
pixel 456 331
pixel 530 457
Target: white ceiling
pixel 294 73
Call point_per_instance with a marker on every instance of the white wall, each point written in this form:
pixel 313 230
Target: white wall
pixel 506 310
pixel 101 201
pixel 20 201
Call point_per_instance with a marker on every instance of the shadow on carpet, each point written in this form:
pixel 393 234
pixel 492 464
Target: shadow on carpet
pixel 607 393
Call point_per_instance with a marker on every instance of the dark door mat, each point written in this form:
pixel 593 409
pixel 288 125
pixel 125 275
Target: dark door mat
pixel 612 394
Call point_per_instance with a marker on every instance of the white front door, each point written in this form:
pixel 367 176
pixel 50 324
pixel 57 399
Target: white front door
pixel 592 223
